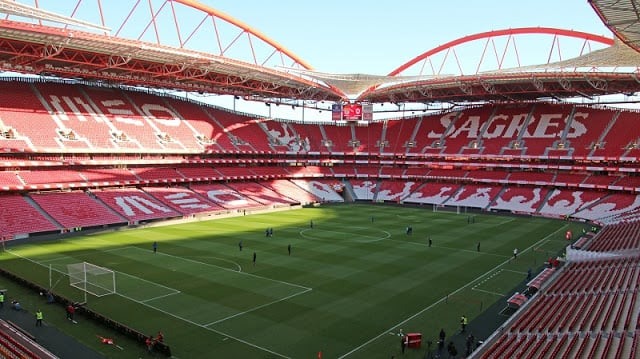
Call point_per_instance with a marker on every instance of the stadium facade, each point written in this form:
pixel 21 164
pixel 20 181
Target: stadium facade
pixel 88 143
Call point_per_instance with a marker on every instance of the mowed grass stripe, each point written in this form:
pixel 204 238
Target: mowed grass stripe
pixel 235 291
pixel 229 292
pixel 362 285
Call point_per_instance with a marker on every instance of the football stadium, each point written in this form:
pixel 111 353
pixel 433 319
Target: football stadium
pixel 176 183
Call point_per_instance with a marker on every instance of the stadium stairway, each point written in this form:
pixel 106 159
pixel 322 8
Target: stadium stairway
pixel 495 199
pixel 453 194
pixel 605 132
pixel 105 205
pixel 324 136
pixel 42 211
pixel 348 194
pixel 543 202
pixel 376 190
pixel 411 140
pixel 383 142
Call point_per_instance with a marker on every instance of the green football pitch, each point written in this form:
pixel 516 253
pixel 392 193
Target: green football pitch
pixel 352 281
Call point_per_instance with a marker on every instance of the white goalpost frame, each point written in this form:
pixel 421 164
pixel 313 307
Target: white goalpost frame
pixel 81 277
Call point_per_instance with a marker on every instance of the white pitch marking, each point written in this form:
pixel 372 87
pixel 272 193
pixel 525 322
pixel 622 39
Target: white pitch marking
pixel 256 308
pixel 445 297
pixel 450 248
pixel 187 320
pixel 222 259
pixel 174 291
pixel 159 297
pixel 207 328
pixel 488 292
pixel 514 271
pixel 373 239
pixel 227 269
pixel 54 260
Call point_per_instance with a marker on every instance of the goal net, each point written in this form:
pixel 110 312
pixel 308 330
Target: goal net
pixel 92 279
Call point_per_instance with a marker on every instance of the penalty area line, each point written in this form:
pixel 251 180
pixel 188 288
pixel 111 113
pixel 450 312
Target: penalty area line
pixel 258 307
pixel 207 328
pixel 159 297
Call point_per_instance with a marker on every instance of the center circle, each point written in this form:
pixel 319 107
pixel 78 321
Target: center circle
pixel 349 234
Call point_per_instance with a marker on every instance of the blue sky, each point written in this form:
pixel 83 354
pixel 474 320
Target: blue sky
pixel 348 36
pixel 358 36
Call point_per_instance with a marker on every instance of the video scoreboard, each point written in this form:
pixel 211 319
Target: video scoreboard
pixel 352 112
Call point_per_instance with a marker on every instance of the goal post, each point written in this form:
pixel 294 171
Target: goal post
pixel 92 279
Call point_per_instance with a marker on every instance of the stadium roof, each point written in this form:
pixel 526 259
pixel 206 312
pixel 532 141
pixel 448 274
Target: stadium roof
pixel 622 17
pixel 48 43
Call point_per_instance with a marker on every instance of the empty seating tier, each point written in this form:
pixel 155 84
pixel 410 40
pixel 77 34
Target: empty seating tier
pixel 75 209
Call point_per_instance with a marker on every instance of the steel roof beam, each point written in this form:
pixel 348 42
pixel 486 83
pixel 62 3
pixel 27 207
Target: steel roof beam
pixel 18 9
